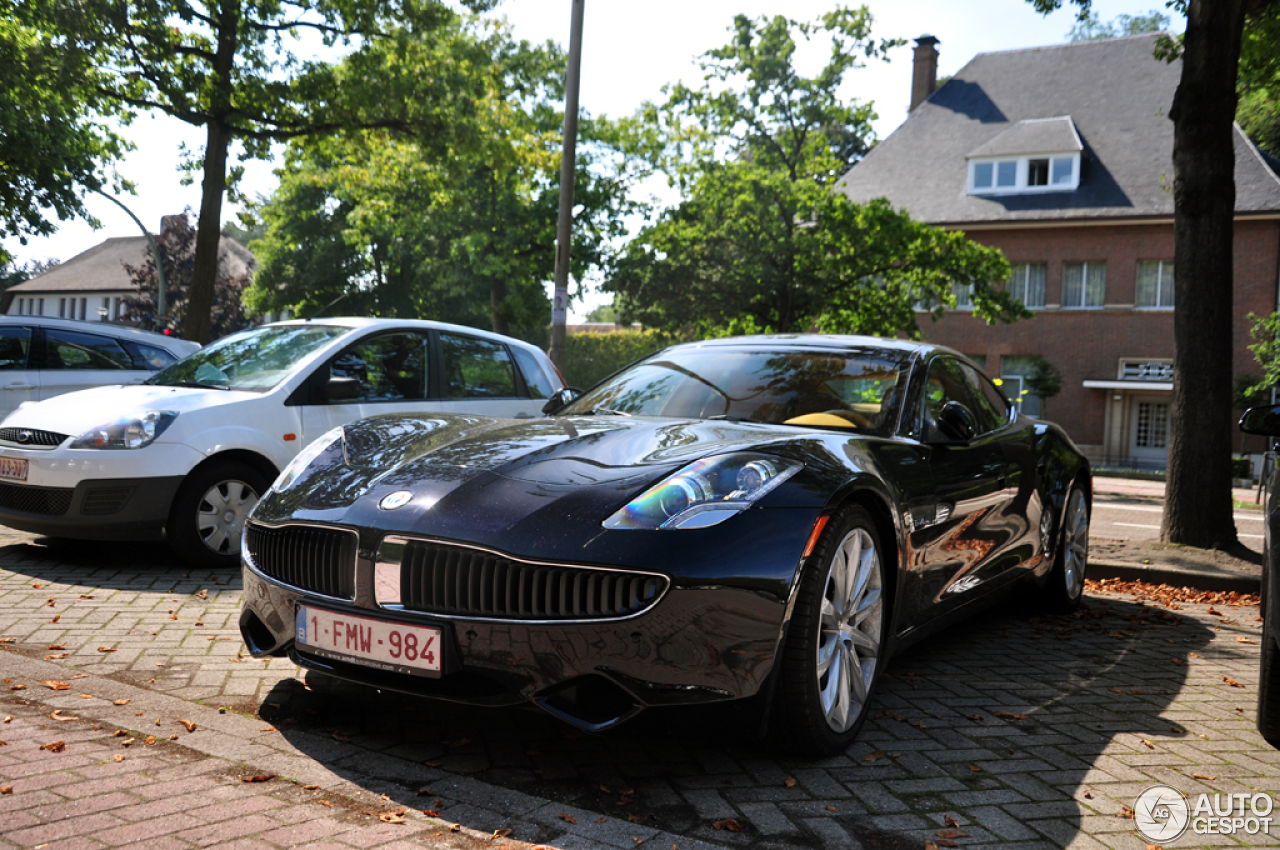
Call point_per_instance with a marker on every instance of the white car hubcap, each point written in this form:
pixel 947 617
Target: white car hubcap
pixel 221 514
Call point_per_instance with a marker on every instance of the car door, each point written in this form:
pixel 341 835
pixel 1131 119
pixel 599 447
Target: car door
pixel 75 360
pixel 19 381
pixel 391 371
pixel 479 376
pixel 959 542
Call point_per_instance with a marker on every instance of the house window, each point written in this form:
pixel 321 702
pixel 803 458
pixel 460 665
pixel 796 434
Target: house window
pixel 982 174
pixel 1037 172
pixel 1014 372
pixel 1084 285
pixel 1153 425
pixel 1027 283
pixel 1007 174
pixel 62 308
pixel 1064 170
pixel 40 311
pixel 1154 284
pixel 84 308
pixel 964 295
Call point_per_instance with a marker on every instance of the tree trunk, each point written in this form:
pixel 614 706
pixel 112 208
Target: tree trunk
pixel 1198 507
pixel 204 274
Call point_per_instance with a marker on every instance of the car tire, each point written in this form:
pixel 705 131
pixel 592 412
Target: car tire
pixel 1065 585
pixel 1269 678
pixel 836 641
pixel 209 511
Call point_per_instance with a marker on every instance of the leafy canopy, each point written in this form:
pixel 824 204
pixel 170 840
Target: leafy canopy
pixel 763 239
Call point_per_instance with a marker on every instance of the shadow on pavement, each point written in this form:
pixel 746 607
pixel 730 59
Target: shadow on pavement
pixel 95 562
pixel 1000 724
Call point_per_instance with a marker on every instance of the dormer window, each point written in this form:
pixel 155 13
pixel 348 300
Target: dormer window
pixel 1038 155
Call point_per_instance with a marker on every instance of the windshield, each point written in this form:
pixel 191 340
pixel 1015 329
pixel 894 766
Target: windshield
pixel 859 389
pixel 254 360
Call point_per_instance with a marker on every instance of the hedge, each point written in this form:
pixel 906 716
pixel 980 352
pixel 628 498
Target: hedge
pixel 592 356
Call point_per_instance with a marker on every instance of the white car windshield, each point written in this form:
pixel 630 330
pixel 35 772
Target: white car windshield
pixel 254 360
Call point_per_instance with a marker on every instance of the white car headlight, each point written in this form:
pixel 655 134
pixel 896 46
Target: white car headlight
pixel 706 492
pixel 128 432
pixel 304 458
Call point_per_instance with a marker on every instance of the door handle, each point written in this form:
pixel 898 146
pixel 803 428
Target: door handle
pixel 19 386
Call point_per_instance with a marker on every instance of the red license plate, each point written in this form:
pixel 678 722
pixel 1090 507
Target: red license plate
pixel 396 647
pixel 12 468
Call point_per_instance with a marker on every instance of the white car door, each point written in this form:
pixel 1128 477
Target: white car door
pixel 74 360
pixel 391 371
pixel 480 377
pixel 18 381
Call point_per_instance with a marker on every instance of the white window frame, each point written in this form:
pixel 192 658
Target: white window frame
pixel 1161 289
pixel 964 295
pixel 1020 282
pixel 1084 285
pixel 1022 165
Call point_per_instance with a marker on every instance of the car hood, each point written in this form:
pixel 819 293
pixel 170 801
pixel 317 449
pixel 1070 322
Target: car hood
pixel 77 412
pixel 508 483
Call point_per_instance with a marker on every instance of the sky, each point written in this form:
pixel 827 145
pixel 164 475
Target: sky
pixel 630 50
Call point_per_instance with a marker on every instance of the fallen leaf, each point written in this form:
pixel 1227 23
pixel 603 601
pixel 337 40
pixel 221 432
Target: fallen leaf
pixel 1232 682
pixel 310 787
pixel 202 593
pixel 190 727
pixel 1203 776
pixel 1154 847
pixel 86 696
pixel 950 821
pixel 58 715
pixel 943 842
pixel 1243 640
pixel 157 721
pixel 128 742
pixel 6 789
pixel 431 813
pixel 8 718
pixel 975 768
pixel 173 737
pixel 1115 690
pixel 17 687
pixel 728 825
pixel 505 833
pixel 873 756
pixel 56 686
pixel 930 845
pixel 106 649
pixel 601 820
pixel 1011 716
pixel 1148 744
pixel 118 758
pixel 62 645
pixel 951 833
pixel 57 655
pixel 568 818
pixel 119 702
pixel 1088 795
pixel 258 777
pixel 976 718
pixel 831 808
pixel 1178 661
pixel 391 817
pixel 325 803
pixel 1125 812
pixel 790 782
pixel 55 746
pixel 267 729
pixel 151 739
pixel 120 733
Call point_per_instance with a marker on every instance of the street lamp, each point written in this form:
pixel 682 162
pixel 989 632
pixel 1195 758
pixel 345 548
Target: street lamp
pixel 155 252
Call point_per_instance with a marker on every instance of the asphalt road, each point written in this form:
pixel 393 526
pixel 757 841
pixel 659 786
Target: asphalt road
pixel 1130 518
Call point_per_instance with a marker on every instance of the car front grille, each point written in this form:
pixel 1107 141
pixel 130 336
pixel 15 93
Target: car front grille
pixel 30 438
pixel 308 557
pixel 51 501
pixel 460 581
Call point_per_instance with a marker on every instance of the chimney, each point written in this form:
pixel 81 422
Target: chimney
pixel 924 76
pixel 168 222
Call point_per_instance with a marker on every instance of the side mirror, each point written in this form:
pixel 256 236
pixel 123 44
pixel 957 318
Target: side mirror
pixel 956 422
pixel 342 389
pixel 1264 421
pixel 561 398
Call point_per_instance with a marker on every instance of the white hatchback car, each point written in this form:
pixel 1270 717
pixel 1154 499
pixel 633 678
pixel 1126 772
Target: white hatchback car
pixel 185 455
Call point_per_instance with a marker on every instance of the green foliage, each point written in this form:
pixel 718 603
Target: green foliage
pixel 591 357
pixel 394 226
pixel 1259 84
pixel 763 238
pixel 53 144
pixel 605 313
pixel 1249 391
pixel 12 274
pixel 1266 349
pixel 1045 381
pixel 1089 28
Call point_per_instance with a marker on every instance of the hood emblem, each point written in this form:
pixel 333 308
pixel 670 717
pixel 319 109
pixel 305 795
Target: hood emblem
pixel 398 499
pixel 25 436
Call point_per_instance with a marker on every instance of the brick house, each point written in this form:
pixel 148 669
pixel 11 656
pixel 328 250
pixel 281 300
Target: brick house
pixel 1062 158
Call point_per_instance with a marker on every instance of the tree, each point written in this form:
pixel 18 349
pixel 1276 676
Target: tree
pixel 176 244
pixel 1259 110
pixel 1088 28
pixel 230 67
pixel 1044 382
pixel 12 274
pixel 1198 508
pixel 391 226
pixel 763 239
pixel 52 142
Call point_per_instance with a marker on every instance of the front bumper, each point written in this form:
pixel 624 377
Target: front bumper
pixel 700 642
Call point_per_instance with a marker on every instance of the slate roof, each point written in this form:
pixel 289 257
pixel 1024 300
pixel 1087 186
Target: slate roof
pixel 101 268
pixel 1116 93
pixel 1034 135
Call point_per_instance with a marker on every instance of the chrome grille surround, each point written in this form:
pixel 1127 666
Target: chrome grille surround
pixel 32 438
pixel 316 559
pixel 446 579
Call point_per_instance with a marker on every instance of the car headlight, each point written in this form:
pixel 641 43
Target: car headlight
pixel 705 492
pixel 128 432
pixel 304 458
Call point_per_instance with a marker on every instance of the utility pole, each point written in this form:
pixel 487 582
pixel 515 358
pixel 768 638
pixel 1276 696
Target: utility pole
pixel 568 159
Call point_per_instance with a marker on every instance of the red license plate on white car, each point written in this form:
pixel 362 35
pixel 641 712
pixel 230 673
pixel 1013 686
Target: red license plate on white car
pixel 396 647
pixel 13 468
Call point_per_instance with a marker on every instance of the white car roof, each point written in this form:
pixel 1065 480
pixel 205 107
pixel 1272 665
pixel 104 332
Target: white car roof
pixel 173 344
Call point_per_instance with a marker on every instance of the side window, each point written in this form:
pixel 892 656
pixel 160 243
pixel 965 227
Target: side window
pixel 74 350
pixel 534 378
pixel 15 344
pixel 945 383
pixel 150 356
pixel 389 368
pixel 992 409
pixel 477 368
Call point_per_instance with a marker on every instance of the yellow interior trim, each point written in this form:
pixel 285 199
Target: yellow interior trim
pixel 822 420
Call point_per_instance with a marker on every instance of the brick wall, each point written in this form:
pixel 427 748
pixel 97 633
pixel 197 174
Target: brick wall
pixel 1088 344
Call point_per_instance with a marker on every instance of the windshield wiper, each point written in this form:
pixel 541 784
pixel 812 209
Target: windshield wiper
pixel 605 411
pixel 727 418
pixel 195 384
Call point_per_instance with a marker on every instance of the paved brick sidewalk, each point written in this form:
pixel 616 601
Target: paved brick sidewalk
pixel 1024 730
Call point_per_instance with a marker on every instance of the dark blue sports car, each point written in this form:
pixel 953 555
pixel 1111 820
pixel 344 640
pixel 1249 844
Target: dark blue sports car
pixel 763 518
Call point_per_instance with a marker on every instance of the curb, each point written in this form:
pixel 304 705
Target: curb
pixel 1165 574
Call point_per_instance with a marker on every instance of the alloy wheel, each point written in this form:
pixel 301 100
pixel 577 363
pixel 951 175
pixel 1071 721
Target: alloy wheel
pixel 851 630
pixel 1075 543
